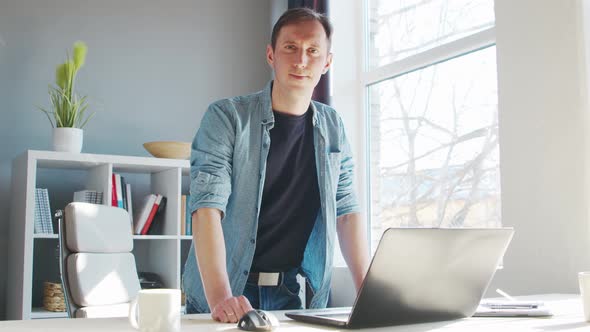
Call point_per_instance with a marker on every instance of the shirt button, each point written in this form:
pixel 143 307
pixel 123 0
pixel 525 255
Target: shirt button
pixel 252 241
pixel 245 273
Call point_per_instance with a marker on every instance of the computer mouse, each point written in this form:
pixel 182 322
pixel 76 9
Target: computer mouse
pixel 258 320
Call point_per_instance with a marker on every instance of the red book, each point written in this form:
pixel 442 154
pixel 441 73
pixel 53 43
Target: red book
pixel 150 218
pixel 143 213
pixel 114 192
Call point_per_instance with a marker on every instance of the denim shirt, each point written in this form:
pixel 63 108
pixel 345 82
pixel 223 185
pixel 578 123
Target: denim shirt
pixel 228 165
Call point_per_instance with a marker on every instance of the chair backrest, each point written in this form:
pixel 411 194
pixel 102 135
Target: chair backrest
pixel 97 265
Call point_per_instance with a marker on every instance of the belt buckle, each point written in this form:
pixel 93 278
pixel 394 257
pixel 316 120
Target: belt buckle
pixel 268 279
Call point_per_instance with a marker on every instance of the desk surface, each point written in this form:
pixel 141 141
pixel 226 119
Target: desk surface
pixel 567 310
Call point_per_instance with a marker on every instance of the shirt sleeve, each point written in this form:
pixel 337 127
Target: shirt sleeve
pixel 346 200
pixel 211 160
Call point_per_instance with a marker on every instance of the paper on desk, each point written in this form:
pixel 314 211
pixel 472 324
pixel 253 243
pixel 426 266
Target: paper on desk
pixel 537 310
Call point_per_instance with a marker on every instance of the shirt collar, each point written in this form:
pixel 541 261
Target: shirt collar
pixel 266 100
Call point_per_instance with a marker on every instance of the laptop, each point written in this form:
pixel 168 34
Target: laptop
pixel 421 275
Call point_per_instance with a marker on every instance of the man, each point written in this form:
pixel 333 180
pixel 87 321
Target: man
pixel 271 185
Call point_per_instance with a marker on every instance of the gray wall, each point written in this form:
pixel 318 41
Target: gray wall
pixel 152 68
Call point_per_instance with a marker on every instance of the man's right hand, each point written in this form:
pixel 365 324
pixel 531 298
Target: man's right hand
pixel 231 309
pixel 210 254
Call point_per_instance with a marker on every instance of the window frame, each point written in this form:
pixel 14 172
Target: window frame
pixel 367 77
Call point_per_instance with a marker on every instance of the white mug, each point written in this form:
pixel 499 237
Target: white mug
pixel 156 310
pixel 584 280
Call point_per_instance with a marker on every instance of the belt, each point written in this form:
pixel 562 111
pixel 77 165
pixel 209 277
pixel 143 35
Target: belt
pixel 266 278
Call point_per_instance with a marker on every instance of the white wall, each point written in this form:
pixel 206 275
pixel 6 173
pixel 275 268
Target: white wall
pixel 152 68
pixel 543 120
pixel 346 99
pixel 346 67
pixel 542 54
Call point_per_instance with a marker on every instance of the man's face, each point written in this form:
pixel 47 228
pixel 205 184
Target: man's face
pixel 300 57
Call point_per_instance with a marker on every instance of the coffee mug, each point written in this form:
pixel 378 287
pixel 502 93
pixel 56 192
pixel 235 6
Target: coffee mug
pixel 584 280
pixel 156 310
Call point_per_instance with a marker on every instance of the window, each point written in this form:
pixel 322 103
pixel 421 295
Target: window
pixel 401 28
pixel 431 94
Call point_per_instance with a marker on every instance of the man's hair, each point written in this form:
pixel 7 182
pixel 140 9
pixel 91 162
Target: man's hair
pixel 296 15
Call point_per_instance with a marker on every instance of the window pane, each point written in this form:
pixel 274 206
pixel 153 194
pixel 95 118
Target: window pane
pixel 400 28
pixel 434 146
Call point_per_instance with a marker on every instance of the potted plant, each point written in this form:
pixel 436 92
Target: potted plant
pixel 67 113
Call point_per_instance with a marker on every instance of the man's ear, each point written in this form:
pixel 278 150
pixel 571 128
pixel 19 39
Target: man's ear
pixel 270 55
pixel 328 63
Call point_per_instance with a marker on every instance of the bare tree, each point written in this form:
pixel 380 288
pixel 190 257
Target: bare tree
pixel 448 192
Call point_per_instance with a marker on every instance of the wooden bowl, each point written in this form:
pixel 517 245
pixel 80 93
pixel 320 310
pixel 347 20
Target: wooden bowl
pixel 169 149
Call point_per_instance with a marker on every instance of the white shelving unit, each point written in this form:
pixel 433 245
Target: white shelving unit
pixel 33 257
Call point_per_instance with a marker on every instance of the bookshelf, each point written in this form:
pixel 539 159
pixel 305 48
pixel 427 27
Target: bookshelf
pixel 33 257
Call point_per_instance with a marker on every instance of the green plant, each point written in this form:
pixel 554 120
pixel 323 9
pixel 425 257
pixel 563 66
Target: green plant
pixel 68 109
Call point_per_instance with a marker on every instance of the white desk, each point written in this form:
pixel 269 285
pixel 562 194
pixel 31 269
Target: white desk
pixel 567 311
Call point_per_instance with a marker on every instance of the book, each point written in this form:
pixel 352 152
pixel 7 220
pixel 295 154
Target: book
pixel 46 213
pixel 143 213
pixel 124 192
pixel 88 196
pixel 152 214
pixel 119 191
pixel 156 227
pixel 113 191
pixel 183 215
pixel 83 196
pixel 512 309
pixel 43 219
pixel 188 220
pixel 129 203
pixel 38 221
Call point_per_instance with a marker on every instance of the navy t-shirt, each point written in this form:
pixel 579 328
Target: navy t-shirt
pixel 290 198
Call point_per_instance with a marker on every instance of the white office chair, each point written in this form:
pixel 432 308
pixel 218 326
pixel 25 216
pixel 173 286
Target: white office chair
pixel 97 266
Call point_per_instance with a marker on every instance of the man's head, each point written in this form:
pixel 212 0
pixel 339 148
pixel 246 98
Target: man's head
pixel 297 15
pixel 299 53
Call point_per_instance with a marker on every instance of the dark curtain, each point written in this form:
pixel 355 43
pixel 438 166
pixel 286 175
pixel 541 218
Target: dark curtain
pixel 322 90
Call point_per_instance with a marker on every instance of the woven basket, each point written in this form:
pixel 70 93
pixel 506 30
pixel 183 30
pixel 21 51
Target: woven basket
pixel 53 297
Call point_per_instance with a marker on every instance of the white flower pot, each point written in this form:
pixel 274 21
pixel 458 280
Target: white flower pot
pixel 67 139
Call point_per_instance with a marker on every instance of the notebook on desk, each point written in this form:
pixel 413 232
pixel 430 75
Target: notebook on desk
pixel 420 275
pixel 512 308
